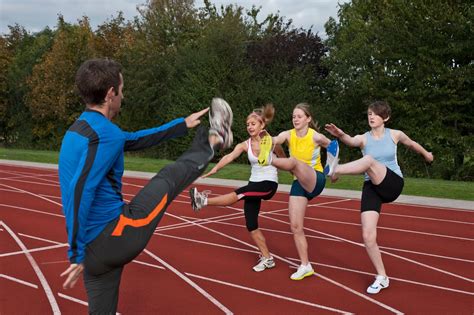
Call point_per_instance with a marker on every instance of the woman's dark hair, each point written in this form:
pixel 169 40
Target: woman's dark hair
pixel 95 77
pixel 381 108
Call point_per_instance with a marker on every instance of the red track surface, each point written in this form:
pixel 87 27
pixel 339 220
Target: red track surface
pixel 201 263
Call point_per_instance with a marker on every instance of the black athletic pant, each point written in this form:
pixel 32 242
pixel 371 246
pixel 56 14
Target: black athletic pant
pixel 126 237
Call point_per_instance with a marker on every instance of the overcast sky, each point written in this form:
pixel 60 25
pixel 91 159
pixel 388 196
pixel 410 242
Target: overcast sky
pixel 35 15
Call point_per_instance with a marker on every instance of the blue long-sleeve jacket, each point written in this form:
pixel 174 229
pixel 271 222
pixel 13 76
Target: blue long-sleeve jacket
pixel 90 173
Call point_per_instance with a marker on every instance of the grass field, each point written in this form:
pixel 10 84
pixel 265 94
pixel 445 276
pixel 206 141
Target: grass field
pixel 413 186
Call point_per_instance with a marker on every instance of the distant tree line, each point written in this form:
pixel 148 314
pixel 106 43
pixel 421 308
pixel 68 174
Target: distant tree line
pixel 417 55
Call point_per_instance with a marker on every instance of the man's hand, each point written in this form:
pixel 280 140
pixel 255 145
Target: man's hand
pixel 193 119
pixel 72 273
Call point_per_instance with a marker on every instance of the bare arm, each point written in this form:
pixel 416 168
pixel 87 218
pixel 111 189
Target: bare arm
pixel 281 138
pixel 356 141
pixel 278 150
pixel 400 136
pixel 241 147
pixel 321 139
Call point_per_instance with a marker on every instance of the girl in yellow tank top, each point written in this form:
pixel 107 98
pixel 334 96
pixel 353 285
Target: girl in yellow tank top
pixel 305 164
pixel 305 149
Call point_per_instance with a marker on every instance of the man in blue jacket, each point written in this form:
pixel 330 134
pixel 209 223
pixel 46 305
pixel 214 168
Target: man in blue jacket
pixel 104 232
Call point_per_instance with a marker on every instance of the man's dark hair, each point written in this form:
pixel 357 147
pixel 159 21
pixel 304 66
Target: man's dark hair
pixel 95 77
pixel 381 108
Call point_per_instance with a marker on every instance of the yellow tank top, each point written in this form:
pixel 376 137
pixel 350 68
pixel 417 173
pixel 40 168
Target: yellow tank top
pixel 305 150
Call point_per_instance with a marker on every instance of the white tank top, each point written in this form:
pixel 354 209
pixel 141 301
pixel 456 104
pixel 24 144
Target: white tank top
pixel 260 173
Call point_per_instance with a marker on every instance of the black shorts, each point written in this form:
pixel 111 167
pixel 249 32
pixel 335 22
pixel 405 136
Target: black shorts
pixel 373 196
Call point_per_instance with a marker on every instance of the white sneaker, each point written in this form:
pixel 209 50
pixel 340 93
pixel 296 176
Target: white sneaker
pixel 381 282
pixel 220 119
pixel 198 199
pixel 264 263
pixel 332 158
pixel 302 272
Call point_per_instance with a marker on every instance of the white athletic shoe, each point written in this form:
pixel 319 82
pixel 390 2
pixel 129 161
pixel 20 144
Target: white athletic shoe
pixel 332 158
pixel 198 199
pixel 302 272
pixel 381 282
pixel 264 263
pixel 220 119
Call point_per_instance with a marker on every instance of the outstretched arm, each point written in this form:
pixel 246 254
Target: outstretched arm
pixel 146 138
pixel 401 137
pixel 241 147
pixel 193 119
pixel 321 139
pixel 356 141
pixel 283 137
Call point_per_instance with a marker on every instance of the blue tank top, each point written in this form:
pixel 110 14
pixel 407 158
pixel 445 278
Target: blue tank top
pixel 383 150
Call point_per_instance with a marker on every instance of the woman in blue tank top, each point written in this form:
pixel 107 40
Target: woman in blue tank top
pixel 383 177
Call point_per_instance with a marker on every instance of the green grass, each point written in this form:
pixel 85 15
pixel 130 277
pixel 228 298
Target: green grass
pixel 413 186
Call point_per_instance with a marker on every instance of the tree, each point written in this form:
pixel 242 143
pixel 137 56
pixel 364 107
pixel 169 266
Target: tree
pixel 416 55
pixel 20 52
pixel 52 99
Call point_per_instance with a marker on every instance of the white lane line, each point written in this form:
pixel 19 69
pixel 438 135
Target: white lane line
pixel 30 193
pixel 37 177
pixel 148 264
pixel 382 251
pixel 260 228
pixel 44 282
pixel 237 216
pixel 385 213
pixel 72 299
pixel 42 239
pixel 230 188
pixel 424 284
pixel 427 254
pixel 208 243
pixel 314 263
pixel 76 300
pixel 385 228
pixel 335 240
pixel 190 282
pixel 221 221
pixel 32 210
pixel 32 250
pixel 278 296
pixel 29 182
pixel 292 263
pixel 28 284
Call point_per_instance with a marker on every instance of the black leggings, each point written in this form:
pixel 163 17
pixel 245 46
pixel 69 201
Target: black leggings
pixel 125 238
pixel 253 194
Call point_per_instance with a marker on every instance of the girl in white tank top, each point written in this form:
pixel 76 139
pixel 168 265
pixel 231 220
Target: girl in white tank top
pixel 263 183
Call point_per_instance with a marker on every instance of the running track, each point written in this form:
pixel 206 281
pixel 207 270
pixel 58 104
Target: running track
pixel 200 263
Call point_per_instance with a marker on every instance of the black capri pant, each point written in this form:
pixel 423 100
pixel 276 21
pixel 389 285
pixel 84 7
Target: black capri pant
pixel 253 194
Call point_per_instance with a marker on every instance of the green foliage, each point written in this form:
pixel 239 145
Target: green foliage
pixel 21 51
pixel 417 56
